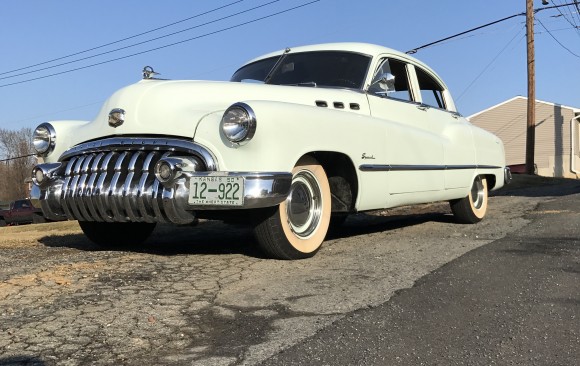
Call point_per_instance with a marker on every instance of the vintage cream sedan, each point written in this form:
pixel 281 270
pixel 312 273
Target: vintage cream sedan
pixel 296 139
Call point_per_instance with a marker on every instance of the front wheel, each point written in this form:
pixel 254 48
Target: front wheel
pixel 117 234
pixel 472 209
pixel 296 229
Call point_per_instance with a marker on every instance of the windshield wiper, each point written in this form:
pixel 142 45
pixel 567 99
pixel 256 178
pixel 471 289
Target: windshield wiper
pixel 308 83
pixel 276 66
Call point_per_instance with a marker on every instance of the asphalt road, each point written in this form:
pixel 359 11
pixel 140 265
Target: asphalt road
pixel 515 301
pixel 407 286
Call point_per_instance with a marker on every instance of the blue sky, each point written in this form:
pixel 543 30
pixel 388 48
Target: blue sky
pixel 481 69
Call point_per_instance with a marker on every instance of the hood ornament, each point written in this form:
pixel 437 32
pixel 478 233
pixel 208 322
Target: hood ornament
pixel 149 73
pixel 116 117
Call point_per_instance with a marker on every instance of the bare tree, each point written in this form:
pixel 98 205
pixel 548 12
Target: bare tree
pixel 17 157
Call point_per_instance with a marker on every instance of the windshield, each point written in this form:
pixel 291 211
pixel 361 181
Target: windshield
pixel 322 68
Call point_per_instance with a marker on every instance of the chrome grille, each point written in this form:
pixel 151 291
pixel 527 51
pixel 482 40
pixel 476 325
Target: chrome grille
pixel 112 180
pixel 112 187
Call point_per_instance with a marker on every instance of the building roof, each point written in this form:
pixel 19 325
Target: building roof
pixel 575 110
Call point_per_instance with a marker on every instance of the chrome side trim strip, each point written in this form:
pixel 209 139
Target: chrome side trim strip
pixel 399 168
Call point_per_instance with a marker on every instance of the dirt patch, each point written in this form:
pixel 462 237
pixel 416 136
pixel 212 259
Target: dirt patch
pixel 30 235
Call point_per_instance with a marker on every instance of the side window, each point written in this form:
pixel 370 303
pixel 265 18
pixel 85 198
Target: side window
pixel 431 91
pixel 399 70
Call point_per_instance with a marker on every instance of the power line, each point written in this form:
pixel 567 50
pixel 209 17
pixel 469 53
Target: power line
pixel 572 13
pixel 123 39
pixel 414 50
pixel 489 64
pixel 165 46
pixel 16 158
pixel 571 22
pixel 555 39
pixel 140 43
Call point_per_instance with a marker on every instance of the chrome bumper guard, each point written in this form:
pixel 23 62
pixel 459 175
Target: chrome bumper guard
pixel 114 181
pixel 507 175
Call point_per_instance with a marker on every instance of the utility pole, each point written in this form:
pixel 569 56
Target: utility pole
pixel 531 125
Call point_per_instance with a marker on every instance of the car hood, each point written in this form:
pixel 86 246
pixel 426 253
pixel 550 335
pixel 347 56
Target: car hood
pixel 162 107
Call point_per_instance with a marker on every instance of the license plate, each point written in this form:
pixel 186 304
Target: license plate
pixel 216 190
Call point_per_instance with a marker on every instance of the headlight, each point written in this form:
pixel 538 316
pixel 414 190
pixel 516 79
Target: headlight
pixel 43 139
pixel 239 123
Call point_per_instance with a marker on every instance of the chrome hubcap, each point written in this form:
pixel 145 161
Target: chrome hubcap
pixel 477 193
pixel 304 204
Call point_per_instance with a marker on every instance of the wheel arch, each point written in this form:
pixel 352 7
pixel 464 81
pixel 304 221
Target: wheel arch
pixel 491 180
pixel 342 179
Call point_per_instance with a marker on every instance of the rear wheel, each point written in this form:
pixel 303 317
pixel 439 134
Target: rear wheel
pixel 296 229
pixel 117 234
pixel 472 209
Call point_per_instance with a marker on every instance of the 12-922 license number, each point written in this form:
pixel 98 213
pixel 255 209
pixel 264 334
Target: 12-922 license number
pixel 216 190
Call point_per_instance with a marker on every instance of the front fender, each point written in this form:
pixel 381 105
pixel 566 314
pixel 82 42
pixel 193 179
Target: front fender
pixel 285 132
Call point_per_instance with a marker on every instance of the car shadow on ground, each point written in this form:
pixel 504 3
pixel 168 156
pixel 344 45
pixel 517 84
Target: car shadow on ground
pixel 217 238
pixel 21 360
pixel 208 238
pixel 524 185
pixel 364 224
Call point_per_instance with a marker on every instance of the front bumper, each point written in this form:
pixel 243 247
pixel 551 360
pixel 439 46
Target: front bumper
pixel 115 182
pixel 156 203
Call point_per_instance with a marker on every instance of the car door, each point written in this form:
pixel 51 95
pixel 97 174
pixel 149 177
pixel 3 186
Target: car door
pixel 454 130
pixel 414 153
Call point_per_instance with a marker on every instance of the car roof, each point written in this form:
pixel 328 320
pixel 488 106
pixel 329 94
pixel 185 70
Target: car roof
pixel 358 47
pixel 365 48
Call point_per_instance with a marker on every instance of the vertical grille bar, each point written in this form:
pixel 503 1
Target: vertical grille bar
pixel 88 199
pixel 74 188
pixel 82 186
pixel 70 197
pixel 114 194
pixel 157 198
pixel 101 188
pixel 144 192
pixel 65 187
pixel 129 193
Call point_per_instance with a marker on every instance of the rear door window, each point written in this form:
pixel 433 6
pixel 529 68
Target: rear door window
pixel 431 90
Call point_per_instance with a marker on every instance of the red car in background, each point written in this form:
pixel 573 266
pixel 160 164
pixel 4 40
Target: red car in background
pixel 21 212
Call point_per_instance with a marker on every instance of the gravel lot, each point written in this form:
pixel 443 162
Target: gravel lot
pixel 204 295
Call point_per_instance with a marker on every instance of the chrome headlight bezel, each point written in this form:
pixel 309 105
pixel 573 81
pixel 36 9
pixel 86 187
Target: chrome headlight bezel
pixel 44 139
pixel 238 124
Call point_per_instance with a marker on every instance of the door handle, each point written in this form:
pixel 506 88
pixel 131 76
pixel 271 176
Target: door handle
pixel 423 107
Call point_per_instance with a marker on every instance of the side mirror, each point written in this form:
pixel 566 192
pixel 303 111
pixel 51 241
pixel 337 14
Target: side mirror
pixel 385 83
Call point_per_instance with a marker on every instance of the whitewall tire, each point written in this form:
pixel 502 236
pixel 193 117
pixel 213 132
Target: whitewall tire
pixel 472 209
pixel 297 228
